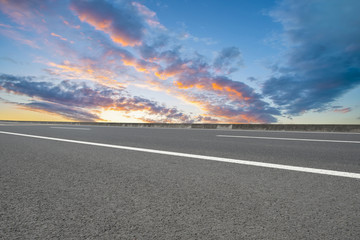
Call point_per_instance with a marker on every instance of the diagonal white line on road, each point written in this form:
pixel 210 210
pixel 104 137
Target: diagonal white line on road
pixel 210 158
pixel 289 139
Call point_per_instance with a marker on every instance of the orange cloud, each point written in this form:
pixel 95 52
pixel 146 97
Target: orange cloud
pixel 134 64
pixel 172 71
pixel 218 110
pixel 105 26
pixel 70 25
pixel 165 75
pixel 213 86
pixel 236 93
pixel 140 66
pixel 122 23
pixel 58 36
pixel 216 86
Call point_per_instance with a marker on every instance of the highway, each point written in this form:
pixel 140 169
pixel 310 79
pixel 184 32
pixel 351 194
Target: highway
pixel 97 182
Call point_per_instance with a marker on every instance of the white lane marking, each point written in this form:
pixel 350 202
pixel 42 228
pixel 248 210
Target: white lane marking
pixel 210 158
pixel 289 139
pixel 291 131
pixel 72 128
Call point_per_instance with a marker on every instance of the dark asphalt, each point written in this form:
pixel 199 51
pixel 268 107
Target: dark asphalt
pixel 57 190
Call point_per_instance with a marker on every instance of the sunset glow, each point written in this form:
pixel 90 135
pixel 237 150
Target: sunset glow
pixel 180 61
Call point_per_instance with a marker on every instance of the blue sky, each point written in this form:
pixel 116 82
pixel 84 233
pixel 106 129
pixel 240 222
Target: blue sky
pixel 180 61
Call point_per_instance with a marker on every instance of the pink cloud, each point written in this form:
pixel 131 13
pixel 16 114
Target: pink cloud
pixel 59 36
pixel 25 13
pixel 343 110
pixel 15 35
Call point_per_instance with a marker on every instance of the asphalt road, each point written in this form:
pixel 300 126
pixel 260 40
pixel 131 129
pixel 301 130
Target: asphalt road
pixel 53 189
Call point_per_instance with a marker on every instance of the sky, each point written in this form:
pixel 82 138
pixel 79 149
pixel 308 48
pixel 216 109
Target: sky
pixel 183 61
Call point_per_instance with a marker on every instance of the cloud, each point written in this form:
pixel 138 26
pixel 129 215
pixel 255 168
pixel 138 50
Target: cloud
pixel 138 52
pixel 26 12
pixel 194 75
pixel 342 110
pixel 122 22
pixel 187 36
pixel 150 16
pixel 163 113
pixel 17 36
pixel 230 113
pixel 8 59
pixel 86 69
pixel 323 58
pixel 184 77
pixel 149 51
pixel 65 92
pixel 18 11
pixel 68 112
pixel 60 37
pixel 220 108
pixel 159 56
pixel 252 79
pixel 5 25
pixel 228 60
pixel 67 23
pixel 72 113
pixel 79 101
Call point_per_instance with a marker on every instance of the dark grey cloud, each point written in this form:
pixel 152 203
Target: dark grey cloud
pixel 65 92
pixel 228 60
pixel 151 50
pixel 72 113
pixel 323 59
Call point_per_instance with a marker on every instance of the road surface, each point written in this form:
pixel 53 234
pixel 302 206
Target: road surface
pixel 95 182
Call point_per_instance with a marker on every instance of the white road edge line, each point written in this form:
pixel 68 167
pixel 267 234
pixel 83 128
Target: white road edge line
pixel 210 158
pixel 72 128
pixel 289 139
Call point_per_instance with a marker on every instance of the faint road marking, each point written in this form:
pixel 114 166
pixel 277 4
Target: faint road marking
pixel 289 139
pixel 72 128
